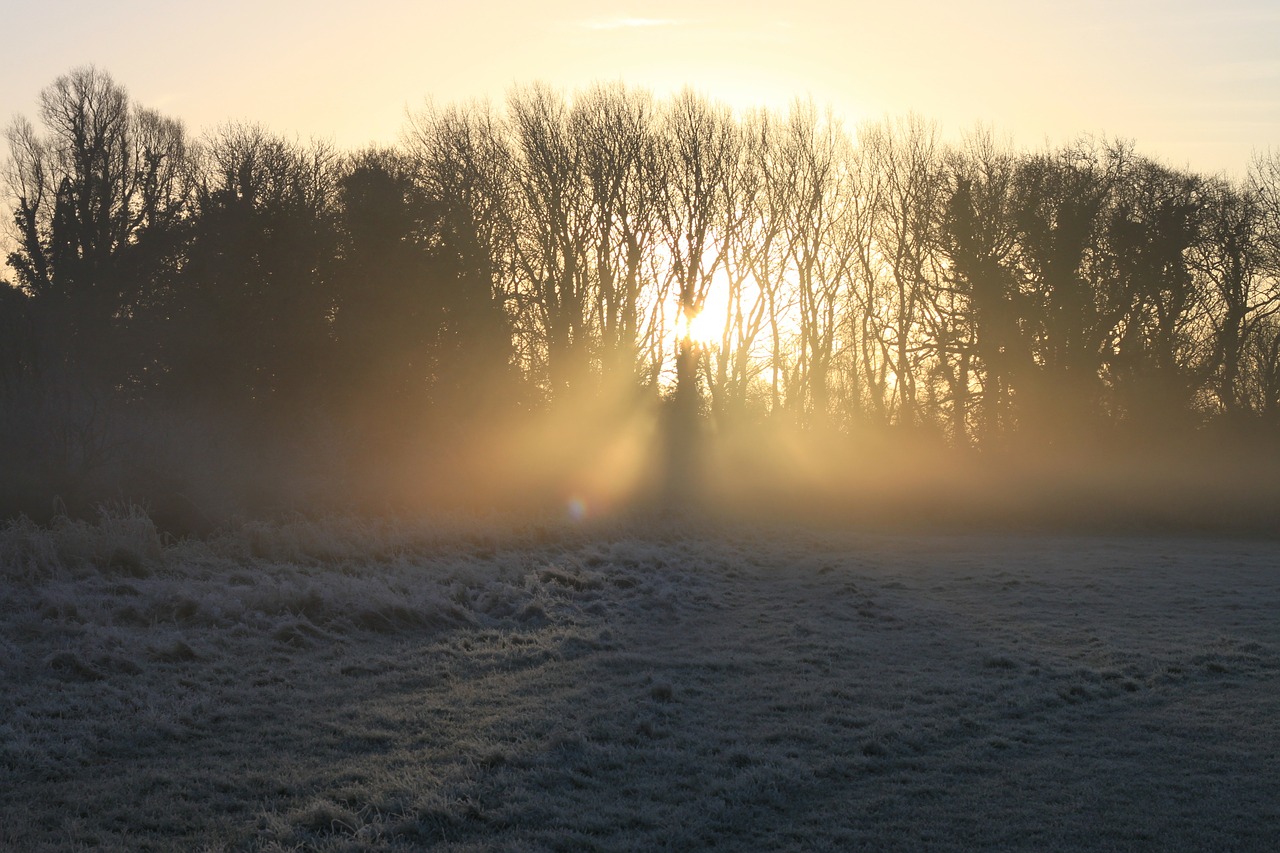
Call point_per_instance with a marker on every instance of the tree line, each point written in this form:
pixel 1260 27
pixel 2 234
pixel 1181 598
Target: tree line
pixel 500 262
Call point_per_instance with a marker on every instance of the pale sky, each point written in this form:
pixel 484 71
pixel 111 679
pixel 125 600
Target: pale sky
pixel 1194 84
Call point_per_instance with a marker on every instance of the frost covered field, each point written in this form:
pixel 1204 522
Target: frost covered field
pixel 344 686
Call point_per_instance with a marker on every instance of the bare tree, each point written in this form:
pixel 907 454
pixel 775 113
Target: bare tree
pixel 905 158
pixel 822 246
pixel 702 144
pixel 553 232
pixel 616 129
pixel 752 270
pixel 702 149
pixel 1247 278
pixel 463 163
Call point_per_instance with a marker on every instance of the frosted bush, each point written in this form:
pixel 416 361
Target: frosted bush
pixel 126 539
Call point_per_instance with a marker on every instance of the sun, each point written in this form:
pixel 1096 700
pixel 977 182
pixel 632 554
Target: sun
pixel 703 329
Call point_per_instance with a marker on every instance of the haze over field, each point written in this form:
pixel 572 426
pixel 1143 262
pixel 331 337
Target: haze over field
pixel 606 299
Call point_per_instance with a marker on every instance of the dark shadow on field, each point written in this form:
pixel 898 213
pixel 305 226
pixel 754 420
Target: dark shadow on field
pixel 1059 693
pixel 825 700
pixel 822 701
pixel 325 740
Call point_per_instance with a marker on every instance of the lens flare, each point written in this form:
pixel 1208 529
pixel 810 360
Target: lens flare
pixel 577 508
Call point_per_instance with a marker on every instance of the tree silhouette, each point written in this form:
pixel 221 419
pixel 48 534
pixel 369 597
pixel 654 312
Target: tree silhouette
pixel 548 255
pixel 620 164
pixel 256 297
pixel 1153 224
pixel 98 203
pixel 977 239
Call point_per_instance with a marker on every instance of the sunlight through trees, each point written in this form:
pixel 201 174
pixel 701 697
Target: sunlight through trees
pixel 577 253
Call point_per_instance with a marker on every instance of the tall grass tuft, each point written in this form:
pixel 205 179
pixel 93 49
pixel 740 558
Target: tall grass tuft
pixel 123 540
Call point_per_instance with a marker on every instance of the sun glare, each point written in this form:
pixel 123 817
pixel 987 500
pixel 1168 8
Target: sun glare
pixel 702 329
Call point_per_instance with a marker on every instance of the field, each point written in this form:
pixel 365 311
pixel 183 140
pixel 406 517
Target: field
pixel 340 685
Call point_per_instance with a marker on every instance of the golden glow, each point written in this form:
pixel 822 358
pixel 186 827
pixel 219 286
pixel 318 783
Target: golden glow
pixel 1210 114
pixel 703 329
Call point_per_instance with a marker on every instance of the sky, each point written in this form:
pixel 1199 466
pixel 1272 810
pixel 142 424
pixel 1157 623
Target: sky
pixel 1192 84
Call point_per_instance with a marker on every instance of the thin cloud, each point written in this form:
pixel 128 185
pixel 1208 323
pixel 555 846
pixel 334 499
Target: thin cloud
pixel 629 23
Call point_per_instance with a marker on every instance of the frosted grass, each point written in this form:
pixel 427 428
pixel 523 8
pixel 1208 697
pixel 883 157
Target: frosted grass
pixel 466 685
